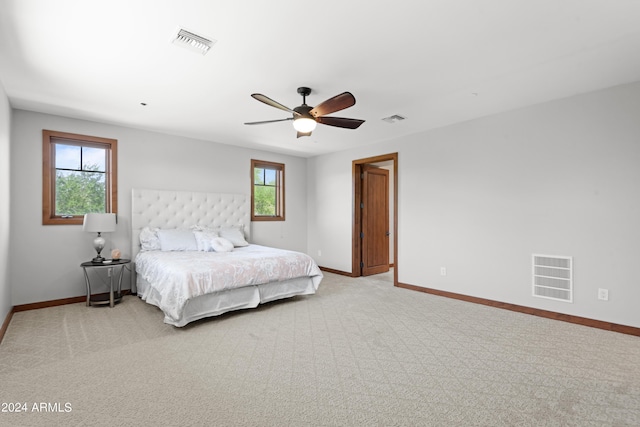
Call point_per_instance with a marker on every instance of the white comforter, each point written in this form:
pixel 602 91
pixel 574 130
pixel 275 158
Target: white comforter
pixel 180 276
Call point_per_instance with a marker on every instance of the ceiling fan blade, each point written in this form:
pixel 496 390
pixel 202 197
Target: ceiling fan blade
pixel 299 134
pixel 340 122
pixel 260 97
pixel 268 121
pixel 331 105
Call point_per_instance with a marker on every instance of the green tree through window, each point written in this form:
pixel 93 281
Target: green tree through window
pixel 82 192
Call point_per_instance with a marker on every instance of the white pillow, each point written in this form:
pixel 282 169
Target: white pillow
pixel 149 239
pixel 177 239
pixel 203 240
pixel 234 234
pixel 220 244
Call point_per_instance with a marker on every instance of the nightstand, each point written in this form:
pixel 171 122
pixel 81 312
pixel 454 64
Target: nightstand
pixel 113 266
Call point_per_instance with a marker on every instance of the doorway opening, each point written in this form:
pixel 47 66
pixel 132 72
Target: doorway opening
pixel 368 215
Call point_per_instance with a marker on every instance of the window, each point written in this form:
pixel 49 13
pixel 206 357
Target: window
pixel 267 191
pixel 78 176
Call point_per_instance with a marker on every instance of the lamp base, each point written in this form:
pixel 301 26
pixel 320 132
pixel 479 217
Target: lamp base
pixel 98 245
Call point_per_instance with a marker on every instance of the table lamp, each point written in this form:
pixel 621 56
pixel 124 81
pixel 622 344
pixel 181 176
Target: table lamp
pixel 99 223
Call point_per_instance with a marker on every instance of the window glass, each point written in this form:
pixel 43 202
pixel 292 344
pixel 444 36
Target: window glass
pixel 94 158
pixel 68 156
pixel 265 201
pixel 80 180
pixel 270 176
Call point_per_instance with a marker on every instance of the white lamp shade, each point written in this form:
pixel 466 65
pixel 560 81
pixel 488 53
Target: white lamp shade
pixel 99 222
pixel 304 124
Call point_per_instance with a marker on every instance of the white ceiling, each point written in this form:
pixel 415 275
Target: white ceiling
pixel 436 62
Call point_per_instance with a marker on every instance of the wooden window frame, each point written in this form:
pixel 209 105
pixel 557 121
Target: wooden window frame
pixel 279 168
pixel 49 139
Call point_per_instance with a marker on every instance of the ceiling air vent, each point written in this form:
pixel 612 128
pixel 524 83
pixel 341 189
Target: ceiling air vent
pixel 393 119
pixel 192 41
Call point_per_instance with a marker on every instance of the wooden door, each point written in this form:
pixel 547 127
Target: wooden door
pixel 375 220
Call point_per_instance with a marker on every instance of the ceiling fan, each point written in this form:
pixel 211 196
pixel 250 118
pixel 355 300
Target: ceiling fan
pixel 305 118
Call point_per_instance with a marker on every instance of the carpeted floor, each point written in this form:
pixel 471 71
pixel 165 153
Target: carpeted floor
pixel 358 353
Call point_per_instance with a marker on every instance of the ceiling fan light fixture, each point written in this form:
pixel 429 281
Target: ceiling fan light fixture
pixel 304 124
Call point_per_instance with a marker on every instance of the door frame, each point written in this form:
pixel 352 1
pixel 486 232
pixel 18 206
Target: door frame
pixel 356 252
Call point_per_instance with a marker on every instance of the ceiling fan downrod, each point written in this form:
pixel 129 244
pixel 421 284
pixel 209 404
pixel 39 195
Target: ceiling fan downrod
pixel 304 91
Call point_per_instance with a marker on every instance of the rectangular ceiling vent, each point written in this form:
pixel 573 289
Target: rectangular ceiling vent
pixel 393 119
pixel 553 277
pixel 192 41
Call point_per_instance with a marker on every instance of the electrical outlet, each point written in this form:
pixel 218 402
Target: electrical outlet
pixel 443 271
pixel 319 252
pixel 603 294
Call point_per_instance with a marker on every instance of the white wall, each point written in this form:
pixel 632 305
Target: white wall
pixel 5 150
pixel 46 259
pixel 479 198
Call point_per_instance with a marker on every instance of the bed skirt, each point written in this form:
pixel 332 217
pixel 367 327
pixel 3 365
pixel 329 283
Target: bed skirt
pixel 233 299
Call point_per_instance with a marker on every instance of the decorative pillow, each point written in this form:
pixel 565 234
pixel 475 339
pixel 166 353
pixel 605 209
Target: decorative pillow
pixel 177 239
pixel 220 244
pixel 149 239
pixel 234 234
pixel 203 240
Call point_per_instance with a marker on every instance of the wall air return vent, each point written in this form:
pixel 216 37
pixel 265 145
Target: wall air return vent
pixel 192 41
pixel 553 277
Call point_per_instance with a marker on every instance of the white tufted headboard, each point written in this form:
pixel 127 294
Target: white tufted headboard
pixel 183 209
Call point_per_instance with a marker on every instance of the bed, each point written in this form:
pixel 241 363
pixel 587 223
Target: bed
pixel 189 283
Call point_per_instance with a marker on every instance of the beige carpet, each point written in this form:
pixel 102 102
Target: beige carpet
pixel 359 353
